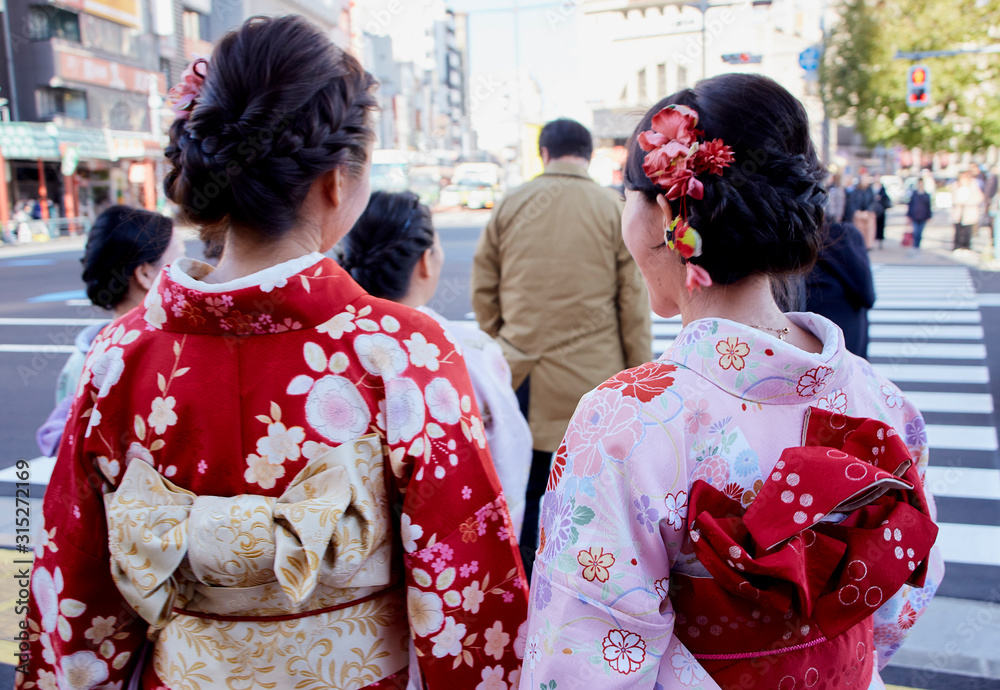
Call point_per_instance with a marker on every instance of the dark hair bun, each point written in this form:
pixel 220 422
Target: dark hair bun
pixel 280 106
pixel 764 215
pixel 383 248
pixel 122 239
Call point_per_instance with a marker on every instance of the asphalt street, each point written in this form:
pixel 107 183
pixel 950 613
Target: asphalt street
pixel 934 332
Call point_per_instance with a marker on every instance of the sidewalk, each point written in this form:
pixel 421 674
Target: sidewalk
pixel 935 246
pixel 58 244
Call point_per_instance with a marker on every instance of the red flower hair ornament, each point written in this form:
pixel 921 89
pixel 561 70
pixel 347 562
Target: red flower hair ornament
pixel 674 159
pixel 184 94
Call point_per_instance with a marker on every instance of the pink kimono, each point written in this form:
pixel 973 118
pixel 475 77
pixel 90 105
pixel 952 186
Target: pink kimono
pixel 640 586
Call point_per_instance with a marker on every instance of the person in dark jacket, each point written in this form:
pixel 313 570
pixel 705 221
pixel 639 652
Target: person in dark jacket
pixel 858 211
pixel 840 286
pixel 881 204
pixel 919 212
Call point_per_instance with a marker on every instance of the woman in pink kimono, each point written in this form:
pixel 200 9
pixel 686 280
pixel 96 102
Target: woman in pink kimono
pixel 271 479
pixel 748 510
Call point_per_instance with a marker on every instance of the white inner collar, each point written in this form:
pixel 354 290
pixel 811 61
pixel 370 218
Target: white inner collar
pixel 190 273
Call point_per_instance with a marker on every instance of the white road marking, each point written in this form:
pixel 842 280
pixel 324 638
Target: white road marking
pixel 963 482
pixel 44 349
pixel 918 350
pixel 933 373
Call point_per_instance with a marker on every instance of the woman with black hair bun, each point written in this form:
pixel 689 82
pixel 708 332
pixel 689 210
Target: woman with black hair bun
pixel 271 478
pixel 126 249
pixel 394 252
pixel 748 510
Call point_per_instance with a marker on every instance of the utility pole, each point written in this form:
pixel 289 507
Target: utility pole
pixel 9 50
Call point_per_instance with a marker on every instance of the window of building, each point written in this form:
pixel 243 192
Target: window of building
pixel 642 86
pixel 682 77
pixel 67 102
pixel 195 25
pixel 661 81
pixel 109 37
pixel 46 21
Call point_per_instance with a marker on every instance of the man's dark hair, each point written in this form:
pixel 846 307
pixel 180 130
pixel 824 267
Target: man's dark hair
pixel 566 138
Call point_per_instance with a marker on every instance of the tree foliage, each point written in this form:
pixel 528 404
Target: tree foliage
pixel 861 79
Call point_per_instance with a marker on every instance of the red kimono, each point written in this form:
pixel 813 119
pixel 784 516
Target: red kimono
pixel 277 482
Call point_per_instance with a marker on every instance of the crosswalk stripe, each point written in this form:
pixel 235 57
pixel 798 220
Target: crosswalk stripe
pixel 961 437
pixel 976 544
pixel 916 350
pixel 44 349
pixel 924 316
pixel 963 482
pixel 886 331
pixel 961 403
pixel 49 322
pixel 933 373
pixel 883 303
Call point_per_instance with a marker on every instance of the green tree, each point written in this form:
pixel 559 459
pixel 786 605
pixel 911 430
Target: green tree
pixel 860 78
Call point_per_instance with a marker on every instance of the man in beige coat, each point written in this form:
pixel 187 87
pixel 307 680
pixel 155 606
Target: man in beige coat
pixel 553 282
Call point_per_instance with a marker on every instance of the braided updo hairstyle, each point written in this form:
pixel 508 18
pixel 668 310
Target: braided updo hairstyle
pixel 764 215
pixel 280 106
pixel 382 249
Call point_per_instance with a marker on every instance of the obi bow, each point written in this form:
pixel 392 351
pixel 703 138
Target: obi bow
pixel 171 548
pixel 839 526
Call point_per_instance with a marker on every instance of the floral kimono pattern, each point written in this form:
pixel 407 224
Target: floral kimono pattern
pixel 307 499
pixel 507 432
pixel 717 410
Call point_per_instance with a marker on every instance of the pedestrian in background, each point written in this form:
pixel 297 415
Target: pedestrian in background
pixel 966 209
pixel 126 249
pixel 879 207
pixel 860 202
pixel 918 212
pixel 836 200
pixel 553 281
pixel 841 287
pixel 394 253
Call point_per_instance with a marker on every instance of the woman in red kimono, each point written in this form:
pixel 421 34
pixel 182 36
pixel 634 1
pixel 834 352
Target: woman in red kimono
pixel 269 477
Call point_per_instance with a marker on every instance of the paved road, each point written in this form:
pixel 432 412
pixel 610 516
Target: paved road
pixel 934 332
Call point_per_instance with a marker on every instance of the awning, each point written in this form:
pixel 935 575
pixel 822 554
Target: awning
pixel 40 140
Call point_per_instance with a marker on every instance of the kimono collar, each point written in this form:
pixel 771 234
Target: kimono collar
pixel 757 367
pixel 301 293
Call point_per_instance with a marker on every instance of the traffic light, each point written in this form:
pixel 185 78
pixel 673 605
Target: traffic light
pixel 742 58
pixel 918 86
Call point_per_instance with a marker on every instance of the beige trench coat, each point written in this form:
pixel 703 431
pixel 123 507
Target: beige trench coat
pixel 553 282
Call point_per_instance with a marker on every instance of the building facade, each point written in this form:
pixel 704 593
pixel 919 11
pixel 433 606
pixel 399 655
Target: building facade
pixel 88 122
pixel 645 50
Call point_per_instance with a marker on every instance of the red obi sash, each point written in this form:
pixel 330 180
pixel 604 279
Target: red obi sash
pixel 837 529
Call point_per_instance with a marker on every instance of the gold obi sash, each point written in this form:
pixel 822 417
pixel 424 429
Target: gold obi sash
pixel 217 578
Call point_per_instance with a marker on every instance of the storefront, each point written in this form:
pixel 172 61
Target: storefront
pixel 80 171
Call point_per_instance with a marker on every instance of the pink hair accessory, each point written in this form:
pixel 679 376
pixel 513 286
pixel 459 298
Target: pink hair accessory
pixel 183 96
pixel 697 278
pixel 675 156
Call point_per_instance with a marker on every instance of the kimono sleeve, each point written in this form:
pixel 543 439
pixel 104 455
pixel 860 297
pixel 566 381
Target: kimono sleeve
pixel 466 589
pixel 897 616
pixel 599 614
pixel 79 626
